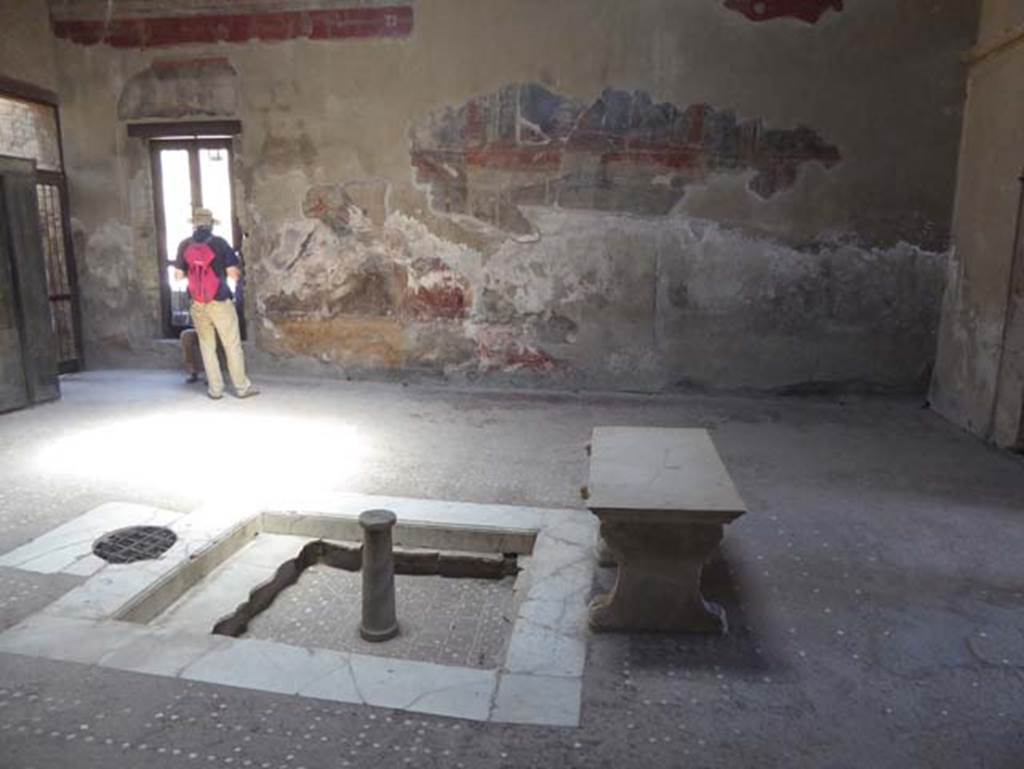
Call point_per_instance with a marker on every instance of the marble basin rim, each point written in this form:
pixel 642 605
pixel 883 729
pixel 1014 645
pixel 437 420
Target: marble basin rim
pixel 342 527
pixel 107 620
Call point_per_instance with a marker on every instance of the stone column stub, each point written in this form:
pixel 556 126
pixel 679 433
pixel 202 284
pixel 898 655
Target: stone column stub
pixel 379 621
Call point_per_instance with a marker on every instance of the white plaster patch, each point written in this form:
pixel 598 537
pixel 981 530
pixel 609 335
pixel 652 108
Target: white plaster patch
pixel 424 244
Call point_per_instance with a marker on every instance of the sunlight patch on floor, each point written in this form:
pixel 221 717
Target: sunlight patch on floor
pixel 213 456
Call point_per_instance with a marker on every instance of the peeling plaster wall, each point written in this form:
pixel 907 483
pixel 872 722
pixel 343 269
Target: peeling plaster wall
pixel 623 152
pixel 979 378
pixel 734 202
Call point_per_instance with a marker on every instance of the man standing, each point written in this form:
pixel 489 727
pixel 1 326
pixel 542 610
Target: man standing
pixel 209 261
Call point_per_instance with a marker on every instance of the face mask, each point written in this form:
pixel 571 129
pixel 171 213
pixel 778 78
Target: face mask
pixel 204 231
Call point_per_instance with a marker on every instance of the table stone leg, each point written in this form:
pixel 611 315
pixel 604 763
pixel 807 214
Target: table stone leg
pixel 658 583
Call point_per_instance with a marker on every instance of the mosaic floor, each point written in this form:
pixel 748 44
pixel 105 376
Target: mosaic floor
pixel 466 622
pixel 874 591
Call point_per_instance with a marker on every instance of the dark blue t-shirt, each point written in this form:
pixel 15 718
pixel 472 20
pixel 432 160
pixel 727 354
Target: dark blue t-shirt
pixel 224 256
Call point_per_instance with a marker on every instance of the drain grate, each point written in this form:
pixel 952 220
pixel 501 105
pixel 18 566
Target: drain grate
pixel 135 543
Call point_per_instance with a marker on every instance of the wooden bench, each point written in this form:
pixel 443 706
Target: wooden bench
pixel 663 497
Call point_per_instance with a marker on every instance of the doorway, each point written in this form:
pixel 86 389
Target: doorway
pixel 188 174
pixel 30 129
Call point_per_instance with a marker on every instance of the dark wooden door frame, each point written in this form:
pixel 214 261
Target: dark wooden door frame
pixel 1011 436
pixel 32 308
pixel 60 182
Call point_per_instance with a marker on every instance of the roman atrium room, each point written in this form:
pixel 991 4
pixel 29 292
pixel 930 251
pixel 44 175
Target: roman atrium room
pixel 496 384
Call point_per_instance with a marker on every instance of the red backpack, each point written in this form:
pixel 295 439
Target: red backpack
pixel 203 282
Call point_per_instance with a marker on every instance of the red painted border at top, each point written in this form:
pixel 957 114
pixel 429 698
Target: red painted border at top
pixel 336 24
pixel 764 10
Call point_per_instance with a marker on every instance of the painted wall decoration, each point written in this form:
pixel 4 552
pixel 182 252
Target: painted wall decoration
pixel 223 23
pixel 526 145
pixel 764 10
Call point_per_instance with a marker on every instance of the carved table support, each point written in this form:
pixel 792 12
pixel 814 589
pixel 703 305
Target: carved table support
pixel 658 584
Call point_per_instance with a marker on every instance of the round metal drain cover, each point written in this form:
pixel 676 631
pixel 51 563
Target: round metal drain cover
pixel 135 543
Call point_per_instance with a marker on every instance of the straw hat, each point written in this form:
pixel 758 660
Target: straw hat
pixel 203 217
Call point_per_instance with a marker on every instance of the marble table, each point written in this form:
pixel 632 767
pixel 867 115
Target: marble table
pixel 663 497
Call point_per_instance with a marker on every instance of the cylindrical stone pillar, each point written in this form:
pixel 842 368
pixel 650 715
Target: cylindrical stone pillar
pixel 379 622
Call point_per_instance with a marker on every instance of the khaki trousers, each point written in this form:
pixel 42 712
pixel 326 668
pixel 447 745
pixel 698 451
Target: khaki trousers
pixel 220 319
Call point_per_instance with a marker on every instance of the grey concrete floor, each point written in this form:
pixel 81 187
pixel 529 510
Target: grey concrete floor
pixel 876 587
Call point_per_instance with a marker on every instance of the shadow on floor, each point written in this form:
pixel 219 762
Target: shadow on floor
pixel 744 650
